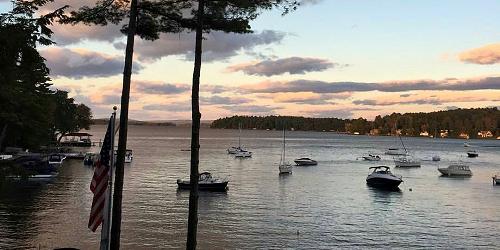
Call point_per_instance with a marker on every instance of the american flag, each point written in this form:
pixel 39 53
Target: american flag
pixel 99 184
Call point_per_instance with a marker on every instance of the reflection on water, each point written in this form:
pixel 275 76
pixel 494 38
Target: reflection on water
pixel 325 206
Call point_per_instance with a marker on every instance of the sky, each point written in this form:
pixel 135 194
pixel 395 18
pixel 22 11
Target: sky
pixel 329 58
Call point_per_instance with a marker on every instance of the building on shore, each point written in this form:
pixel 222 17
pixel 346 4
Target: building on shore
pixel 485 134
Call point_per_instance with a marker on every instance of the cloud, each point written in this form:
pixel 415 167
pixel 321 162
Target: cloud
pixel 223 100
pixel 72 34
pixel 80 63
pixel 489 54
pixel 395 86
pixel 250 108
pixel 310 2
pixel 160 88
pixel 214 89
pixel 389 103
pixel 171 107
pixel 303 98
pixel 216 46
pixel 291 65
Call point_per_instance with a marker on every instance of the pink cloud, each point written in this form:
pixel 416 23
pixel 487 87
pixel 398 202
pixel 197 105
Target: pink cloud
pixel 489 54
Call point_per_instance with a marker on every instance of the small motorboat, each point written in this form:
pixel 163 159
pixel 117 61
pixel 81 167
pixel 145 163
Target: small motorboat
pixel 406 162
pixel 56 159
pixel 371 157
pixel 89 159
pixel 395 151
pixel 466 144
pixel 129 156
pixel 432 158
pixel 472 154
pixel 305 162
pixel 243 154
pixel 381 177
pixel 205 182
pixel 458 169
pixel 5 157
pixel 35 168
pixel 496 179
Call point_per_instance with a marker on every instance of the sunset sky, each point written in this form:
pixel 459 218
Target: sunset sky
pixel 330 58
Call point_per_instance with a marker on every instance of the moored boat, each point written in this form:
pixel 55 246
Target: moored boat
pixel 458 169
pixel 205 182
pixel 76 140
pixel 496 179
pixel 304 161
pixel 371 157
pixel 472 154
pixel 129 155
pixel 243 154
pixel 284 167
pixel 395 151
pixel 406 162
pixel 382 177
pixel 34 168
pixel 56 159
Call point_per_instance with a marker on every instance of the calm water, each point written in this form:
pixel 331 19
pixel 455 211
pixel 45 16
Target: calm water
pixel 329 204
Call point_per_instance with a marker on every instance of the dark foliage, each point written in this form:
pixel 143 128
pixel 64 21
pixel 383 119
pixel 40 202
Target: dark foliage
pixel 469 121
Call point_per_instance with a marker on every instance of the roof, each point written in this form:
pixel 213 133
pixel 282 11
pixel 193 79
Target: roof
pixel 78 134
pixel 377 167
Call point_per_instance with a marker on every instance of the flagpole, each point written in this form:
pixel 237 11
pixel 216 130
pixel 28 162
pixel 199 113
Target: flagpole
pixel 106 224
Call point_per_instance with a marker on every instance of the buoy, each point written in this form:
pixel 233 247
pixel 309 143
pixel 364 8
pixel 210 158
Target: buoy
pixel 411 189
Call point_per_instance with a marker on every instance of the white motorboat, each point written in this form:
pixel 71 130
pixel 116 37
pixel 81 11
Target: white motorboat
pixel 432 158
pixel 472 154
pixel 284 167
pixel 56 159
pixel 129 155
pixel 458 169
pixel 205 182
pixel 496 179
pixel 406 162
pixel 371 157
pixel 5 157
pixel 243 154
pixel 466 144
pixel 381 177
pixel 304 161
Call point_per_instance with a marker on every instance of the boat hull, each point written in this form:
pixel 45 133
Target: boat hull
pixel 285 169
pixel 306 163
pixel 472 155
pixel 380 182
pixel 448 172
pixel 219 186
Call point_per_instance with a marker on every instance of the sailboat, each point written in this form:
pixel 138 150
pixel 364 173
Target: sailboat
pixel 406 160
pixel 284 167
pixel 239 151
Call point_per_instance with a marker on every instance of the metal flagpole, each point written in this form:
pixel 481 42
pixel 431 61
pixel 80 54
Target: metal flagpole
pixel 106 224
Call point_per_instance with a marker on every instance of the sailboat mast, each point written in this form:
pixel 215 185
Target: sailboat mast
pixel 239 136
pixel 406 151
pixel 284 150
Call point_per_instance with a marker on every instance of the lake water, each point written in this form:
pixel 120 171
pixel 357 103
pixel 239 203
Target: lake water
pixel 322 207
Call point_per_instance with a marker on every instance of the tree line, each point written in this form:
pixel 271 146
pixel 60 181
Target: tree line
pixel 32 114
pixel 454 122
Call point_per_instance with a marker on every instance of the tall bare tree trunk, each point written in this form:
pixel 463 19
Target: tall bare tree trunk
pixel 122 138
pixel 2 136
pixel 195 132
